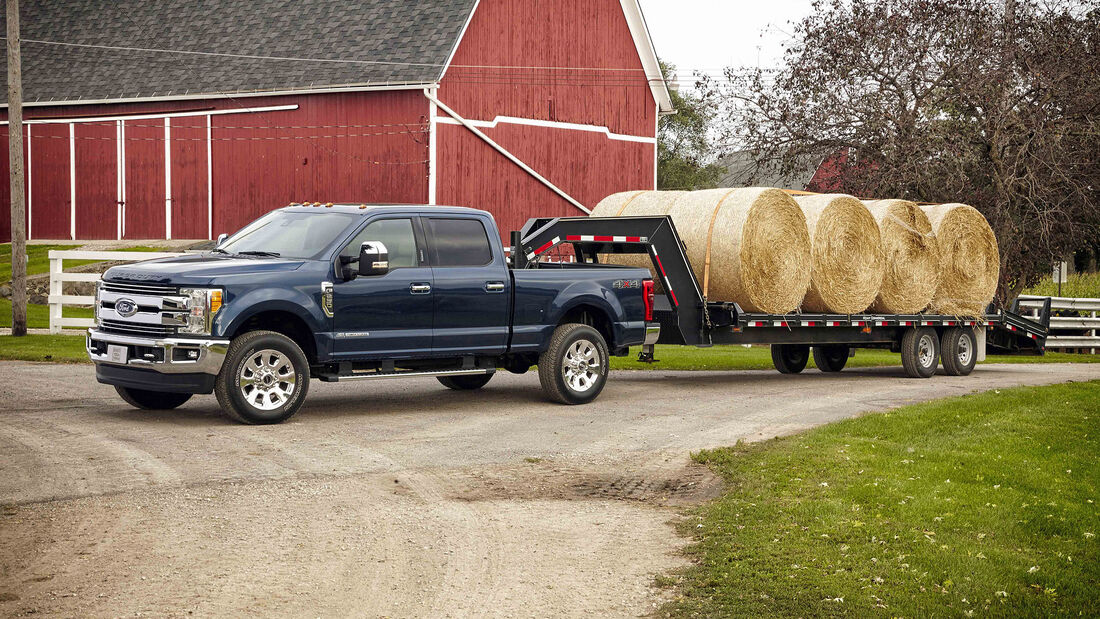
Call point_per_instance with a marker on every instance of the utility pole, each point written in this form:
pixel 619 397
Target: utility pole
pixel 15 161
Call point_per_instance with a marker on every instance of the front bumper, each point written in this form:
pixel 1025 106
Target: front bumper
pixel 163 355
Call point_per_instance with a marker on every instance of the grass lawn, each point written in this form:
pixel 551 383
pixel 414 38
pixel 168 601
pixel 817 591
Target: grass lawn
pixel 56 348
pixel 986 504
pixel 38 316
pixel 759 358
pixel 1077 285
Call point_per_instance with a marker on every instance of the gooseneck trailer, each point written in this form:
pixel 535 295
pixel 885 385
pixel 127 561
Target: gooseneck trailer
pixel 688 318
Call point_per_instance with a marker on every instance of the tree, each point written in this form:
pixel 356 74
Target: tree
pixel 684 152
pixel 997 106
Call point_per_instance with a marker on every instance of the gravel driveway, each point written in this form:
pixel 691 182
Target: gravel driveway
pixel 389 498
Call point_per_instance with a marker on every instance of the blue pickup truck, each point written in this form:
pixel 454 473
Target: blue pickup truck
pixel 352 292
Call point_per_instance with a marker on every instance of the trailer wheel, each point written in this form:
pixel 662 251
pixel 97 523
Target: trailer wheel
pixel 920 352
pixel 573 370
pixel 467 382
pixel 831 358
pixel 958 348
pixel 790 358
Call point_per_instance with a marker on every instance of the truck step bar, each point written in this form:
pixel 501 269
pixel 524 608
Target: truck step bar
pixel 333 378
pixel 687 317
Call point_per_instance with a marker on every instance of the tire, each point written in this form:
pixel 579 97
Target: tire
pixel 958 351
pixel 790 358
pixel 152 400
pixel 831 358
pixel 279 375
pixel 574 368
pixel 465 382
pixel 920 352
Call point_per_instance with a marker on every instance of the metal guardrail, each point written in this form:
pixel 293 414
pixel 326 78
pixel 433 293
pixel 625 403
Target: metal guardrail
pixel 1069 323
pixel 58 299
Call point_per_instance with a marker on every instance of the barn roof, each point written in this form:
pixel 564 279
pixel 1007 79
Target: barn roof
pixel 396 42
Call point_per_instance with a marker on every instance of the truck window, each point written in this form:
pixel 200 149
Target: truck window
pixel 396 234
pixel 458 243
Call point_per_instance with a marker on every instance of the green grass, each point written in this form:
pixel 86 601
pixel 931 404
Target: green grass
pixel 56 348
pixel 1077 285
pixel 759 358
pixel 38 316
pixel 986 505
pixel 38 260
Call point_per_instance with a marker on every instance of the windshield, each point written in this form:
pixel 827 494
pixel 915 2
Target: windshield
pixel 289 234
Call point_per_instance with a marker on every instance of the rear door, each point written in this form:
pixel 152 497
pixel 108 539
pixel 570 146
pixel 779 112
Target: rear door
pixel 472 290
pixel 386 316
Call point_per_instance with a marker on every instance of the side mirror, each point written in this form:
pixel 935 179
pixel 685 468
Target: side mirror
pixel 221 239
pixel 374 258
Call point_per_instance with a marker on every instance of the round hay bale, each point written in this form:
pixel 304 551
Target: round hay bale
pixel 970 262
pixel 758 246
pixel 634 204
pixel 846 251
pixel 910 256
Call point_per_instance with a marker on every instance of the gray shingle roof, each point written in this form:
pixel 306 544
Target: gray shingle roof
pixel 416 35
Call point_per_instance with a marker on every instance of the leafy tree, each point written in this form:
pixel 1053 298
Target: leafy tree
pixel 684 154
pixel 995 105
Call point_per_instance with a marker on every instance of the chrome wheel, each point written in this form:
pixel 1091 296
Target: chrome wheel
pixel 926 351
pixel 267 379
pixel 581 366
pixel 966 350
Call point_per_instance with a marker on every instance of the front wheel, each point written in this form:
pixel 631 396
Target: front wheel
pixel 264 379
pixel 152 400
pixel 573 370
pixel 465 382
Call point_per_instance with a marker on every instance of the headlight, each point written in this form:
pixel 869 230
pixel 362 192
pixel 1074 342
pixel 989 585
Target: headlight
pixel 201 304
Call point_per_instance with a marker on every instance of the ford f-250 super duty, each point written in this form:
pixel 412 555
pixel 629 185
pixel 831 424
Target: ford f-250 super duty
pixel 347 292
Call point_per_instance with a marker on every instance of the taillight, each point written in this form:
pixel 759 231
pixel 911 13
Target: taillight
pixel 647 298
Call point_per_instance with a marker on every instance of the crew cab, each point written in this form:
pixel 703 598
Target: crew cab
pixel 356 292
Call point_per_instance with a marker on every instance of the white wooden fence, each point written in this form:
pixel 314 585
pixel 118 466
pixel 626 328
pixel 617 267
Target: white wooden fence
pixel 1076 323
pixel 58 299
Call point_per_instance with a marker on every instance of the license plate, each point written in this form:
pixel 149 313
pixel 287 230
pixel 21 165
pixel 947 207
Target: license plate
pixel 116 354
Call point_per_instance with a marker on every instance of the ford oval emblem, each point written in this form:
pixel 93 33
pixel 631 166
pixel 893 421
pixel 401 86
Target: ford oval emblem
pixel 125 308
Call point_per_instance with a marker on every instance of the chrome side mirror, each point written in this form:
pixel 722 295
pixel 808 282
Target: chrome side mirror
pixel 374 258
pixel 221 239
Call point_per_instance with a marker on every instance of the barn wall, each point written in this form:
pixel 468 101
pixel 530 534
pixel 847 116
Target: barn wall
pixel 524 35
pixel 354 147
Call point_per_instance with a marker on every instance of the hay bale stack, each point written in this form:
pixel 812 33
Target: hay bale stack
pixel 970 262
pixel 634 204
pixel 758 244
pixel 846 252
pixel 910 254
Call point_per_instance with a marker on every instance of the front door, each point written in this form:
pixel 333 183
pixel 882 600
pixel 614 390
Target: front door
pixel 472 288
pixel 387 315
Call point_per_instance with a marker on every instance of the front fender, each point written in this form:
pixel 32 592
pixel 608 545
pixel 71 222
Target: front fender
pixel 292 300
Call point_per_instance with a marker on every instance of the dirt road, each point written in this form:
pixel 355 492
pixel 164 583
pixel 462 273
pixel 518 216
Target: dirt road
pixel 393 498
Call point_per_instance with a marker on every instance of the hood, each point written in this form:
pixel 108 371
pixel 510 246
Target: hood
pixel 198 269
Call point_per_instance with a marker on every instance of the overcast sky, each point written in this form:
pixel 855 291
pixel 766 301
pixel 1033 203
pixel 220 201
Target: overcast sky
pixel 709 35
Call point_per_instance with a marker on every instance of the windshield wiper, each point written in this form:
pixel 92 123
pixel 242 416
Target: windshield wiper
pixel 253 252
pixel 218 250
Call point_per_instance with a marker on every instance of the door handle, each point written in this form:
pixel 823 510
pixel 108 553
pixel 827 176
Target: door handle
pixel 494 286
pixel 420 288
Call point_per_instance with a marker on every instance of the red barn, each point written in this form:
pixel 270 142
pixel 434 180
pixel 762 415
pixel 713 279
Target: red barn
pixel 179 119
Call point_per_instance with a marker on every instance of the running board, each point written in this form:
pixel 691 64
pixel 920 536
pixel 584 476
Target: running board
pixel 332 378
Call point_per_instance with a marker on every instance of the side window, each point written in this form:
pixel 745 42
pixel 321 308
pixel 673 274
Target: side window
pixel 458 242
pixel 396 234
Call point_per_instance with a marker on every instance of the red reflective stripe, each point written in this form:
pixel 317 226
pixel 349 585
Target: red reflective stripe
pixel 548 245
pixel 660 265
pixel 572 237
pixel 604 239
pixel 633 239
pixel 674 301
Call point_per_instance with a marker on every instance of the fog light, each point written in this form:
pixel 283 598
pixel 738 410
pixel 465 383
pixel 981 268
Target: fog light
pixel 192 354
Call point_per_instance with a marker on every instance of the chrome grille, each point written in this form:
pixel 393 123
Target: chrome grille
pixel 135 288
pixel 123 327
